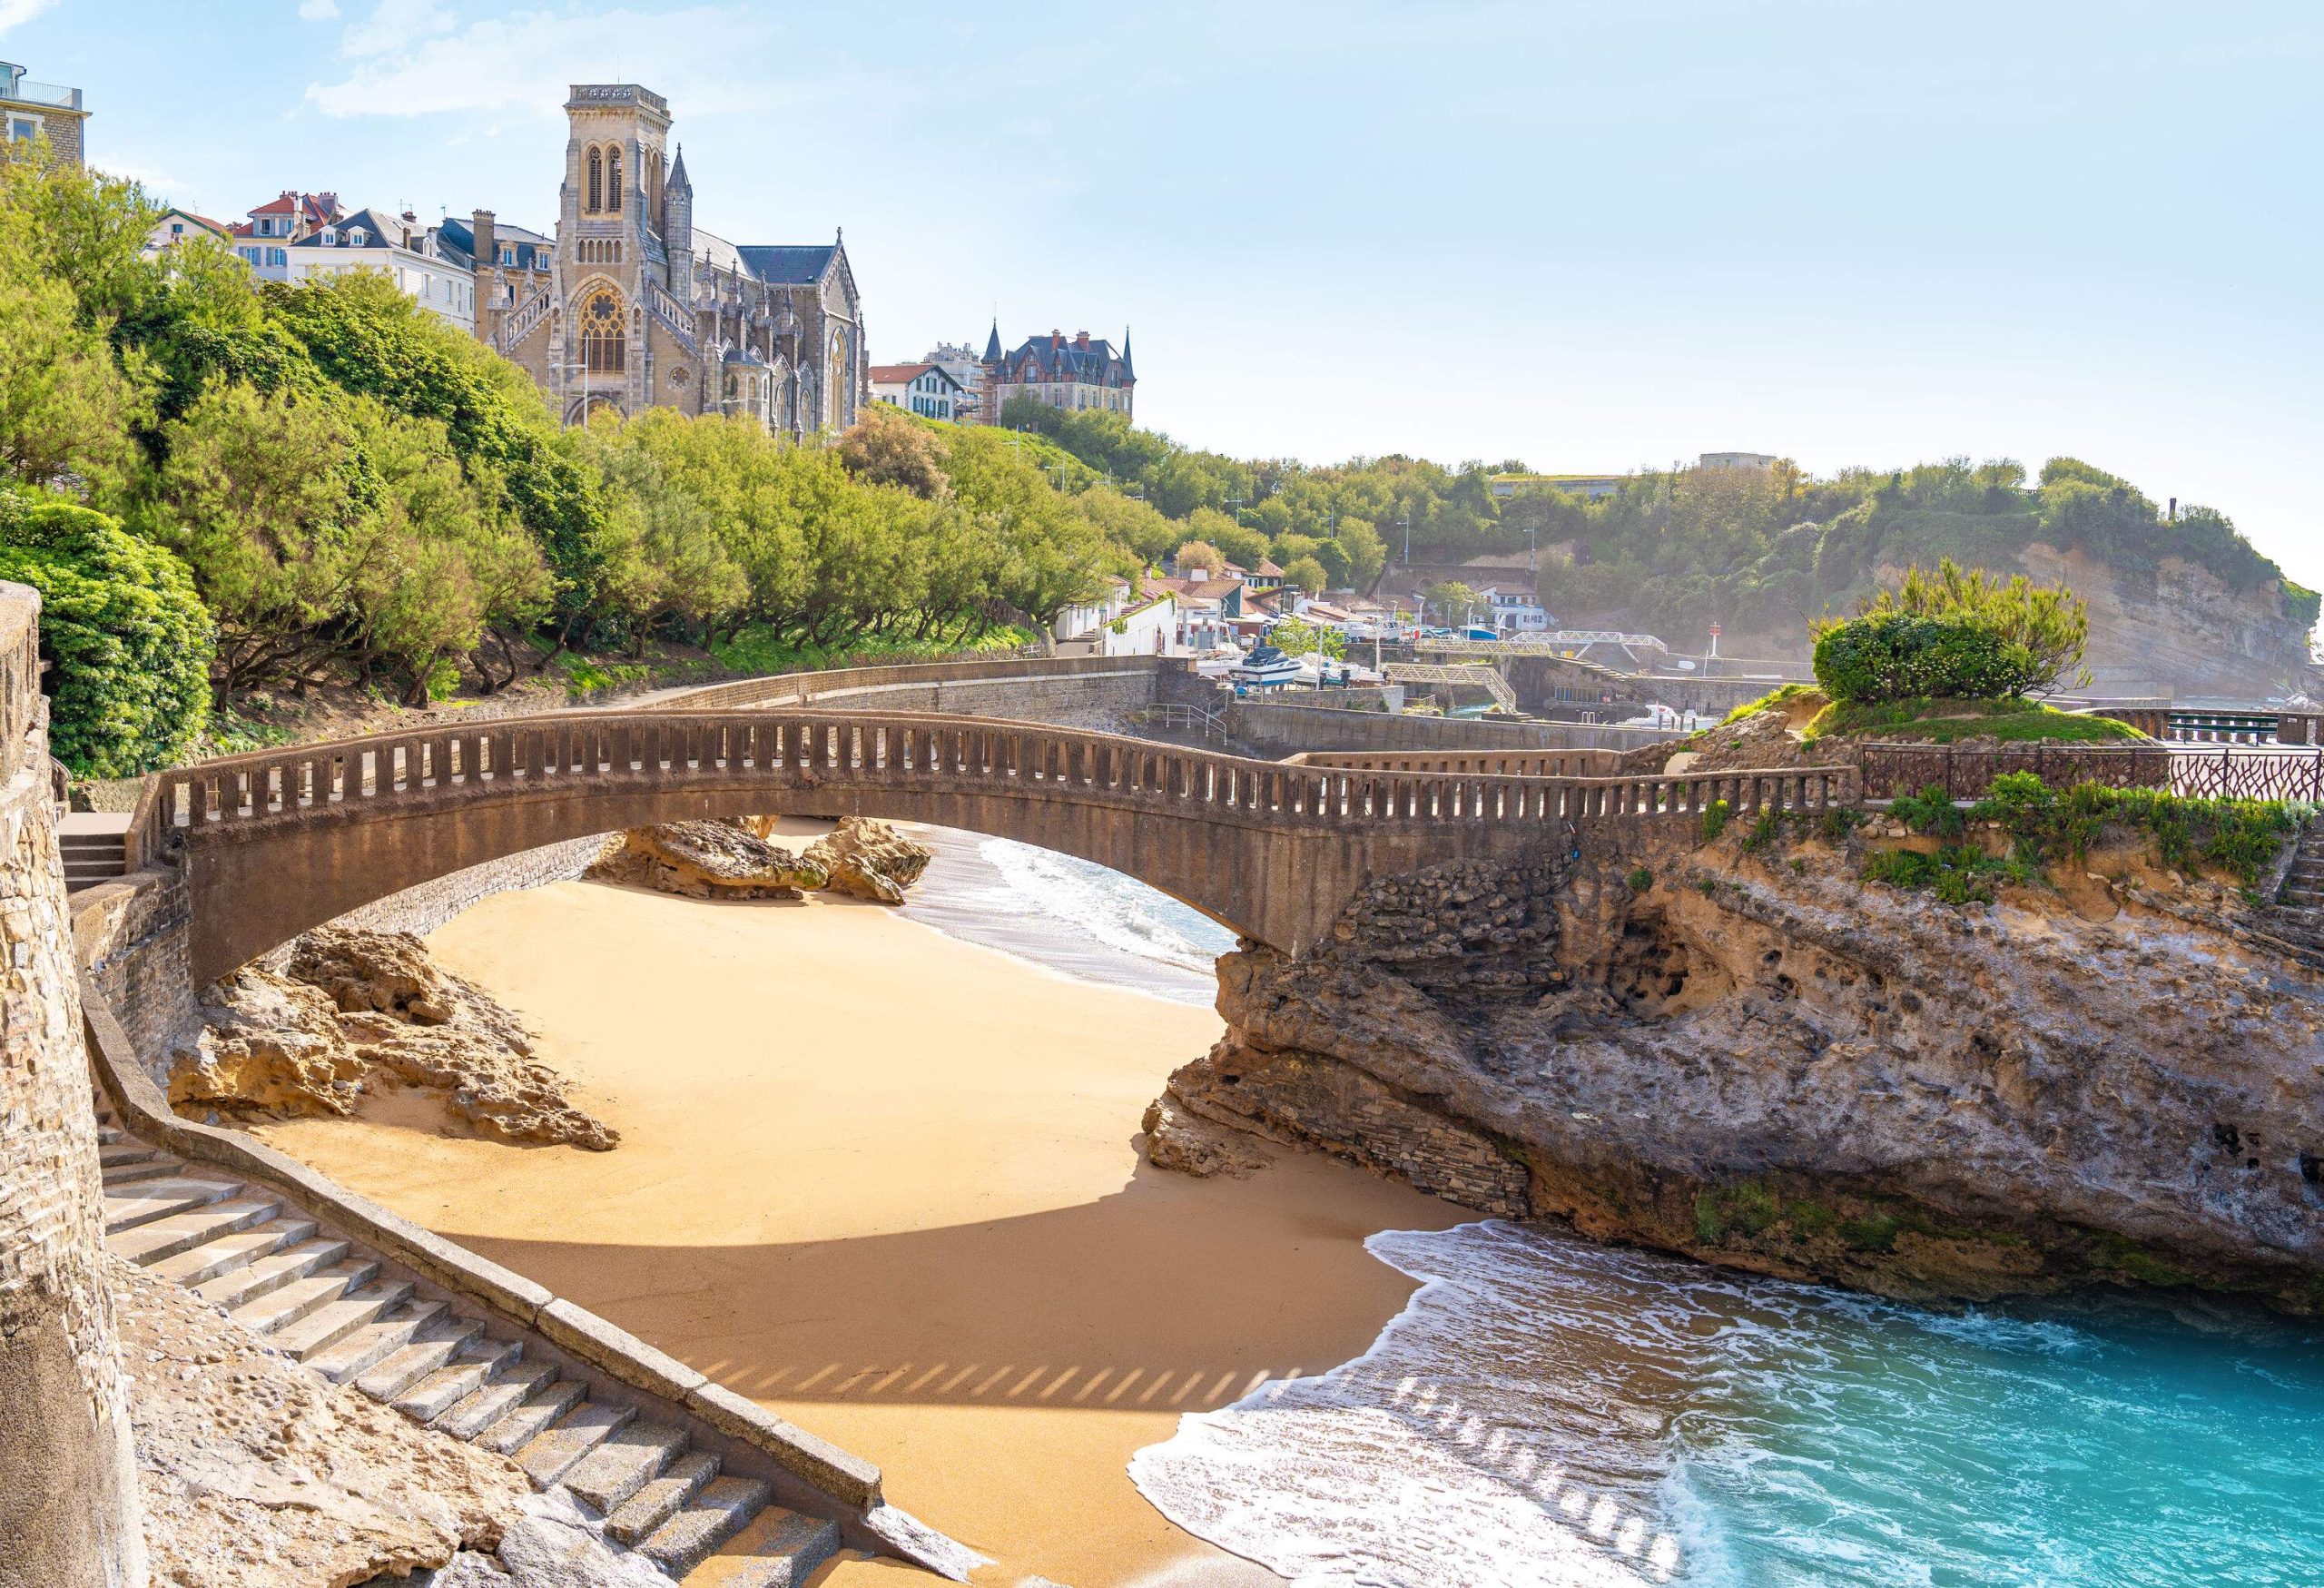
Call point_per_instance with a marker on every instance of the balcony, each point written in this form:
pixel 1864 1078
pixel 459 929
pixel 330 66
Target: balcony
pixel 22 90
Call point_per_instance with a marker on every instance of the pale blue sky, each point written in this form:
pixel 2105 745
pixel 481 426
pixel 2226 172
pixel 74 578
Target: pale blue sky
pixel 1590 235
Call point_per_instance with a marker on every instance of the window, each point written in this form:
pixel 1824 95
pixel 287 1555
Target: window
pixel 278 256
pixel 613 179
pixel 358 238
pixel 596 182
pixel 23 129
pixel 508 253
pixel 249 255
pixel 604 350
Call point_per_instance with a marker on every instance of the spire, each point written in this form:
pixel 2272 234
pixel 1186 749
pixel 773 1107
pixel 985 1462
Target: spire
pixel 993 342
pixel 678 172
pixel 1129 371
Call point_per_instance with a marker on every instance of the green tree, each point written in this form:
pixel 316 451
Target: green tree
pixel 1448 601
pixel 1306 574
pixel 1295 637
pixel 1199 557
pixel 126 640
pixel 888 447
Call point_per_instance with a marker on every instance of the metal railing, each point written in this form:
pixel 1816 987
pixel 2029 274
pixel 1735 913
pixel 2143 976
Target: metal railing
pixel 2226 772
pixel 24 90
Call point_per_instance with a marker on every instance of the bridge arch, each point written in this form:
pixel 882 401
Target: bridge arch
pixel 275 843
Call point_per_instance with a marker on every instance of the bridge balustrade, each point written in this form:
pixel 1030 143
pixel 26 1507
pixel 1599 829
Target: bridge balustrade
pixel 789 750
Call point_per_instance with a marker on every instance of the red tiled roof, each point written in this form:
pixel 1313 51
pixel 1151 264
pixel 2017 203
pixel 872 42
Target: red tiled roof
pixel 1267 570
pixel 899 374
pixel 278 206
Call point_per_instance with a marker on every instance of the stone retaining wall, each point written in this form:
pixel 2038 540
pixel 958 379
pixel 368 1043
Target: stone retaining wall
pixel 1276 729
pixel 68 1477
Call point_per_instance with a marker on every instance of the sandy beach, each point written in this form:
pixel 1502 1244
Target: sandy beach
pixel 886 1182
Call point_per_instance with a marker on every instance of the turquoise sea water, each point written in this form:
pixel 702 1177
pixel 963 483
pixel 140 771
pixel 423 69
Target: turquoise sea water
pixel 1550 1411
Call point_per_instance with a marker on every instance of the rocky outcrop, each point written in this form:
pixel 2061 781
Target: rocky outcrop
pixel 1740 1051
pixel 738 859
pixel 869 860
pixel 355 1013
pixel 710 860
pixel 256 1473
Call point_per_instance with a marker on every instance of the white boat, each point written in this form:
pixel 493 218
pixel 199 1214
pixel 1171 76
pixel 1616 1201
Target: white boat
pixel 1265 666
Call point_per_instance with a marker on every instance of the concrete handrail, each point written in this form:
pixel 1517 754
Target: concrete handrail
pixel 775 750
pixel 1568 763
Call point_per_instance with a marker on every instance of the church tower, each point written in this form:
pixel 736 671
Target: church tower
pixel 609 253
pixel 677 230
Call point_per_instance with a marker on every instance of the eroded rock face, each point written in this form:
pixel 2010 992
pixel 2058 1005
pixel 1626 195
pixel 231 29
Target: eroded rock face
pixel 710 860
pixel 1756 1057
pixel 353 1013
pixel 255 1473
pixel 869 860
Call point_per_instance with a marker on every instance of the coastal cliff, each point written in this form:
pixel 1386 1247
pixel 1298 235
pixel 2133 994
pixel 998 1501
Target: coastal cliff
pixel 1738 1049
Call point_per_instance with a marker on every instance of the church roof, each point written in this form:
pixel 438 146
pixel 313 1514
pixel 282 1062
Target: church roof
pixel 678 172
pixel 788 265
pixel 992 345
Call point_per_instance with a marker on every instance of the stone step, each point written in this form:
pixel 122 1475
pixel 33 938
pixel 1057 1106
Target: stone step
pixel 286 1305
pixel 180 1234
pixel 400 1369
pixel 496 1399
pixel 374 1342
pixel 663 1498
pixel 108 1134
pixel 282 1266
pixel 525 1422
pixel 115 1155
pixel 624 1464
pixel 457 1380
pixel 333 1322
pixel 130 1174
pixel 228 1253
pixel 789 1547
pixel 556 1451
pixel 720 1512
pixel 148 1200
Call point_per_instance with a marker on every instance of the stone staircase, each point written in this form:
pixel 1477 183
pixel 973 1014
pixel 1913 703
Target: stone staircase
pixel 330 1304
pixel 2297 916
pixel 95 846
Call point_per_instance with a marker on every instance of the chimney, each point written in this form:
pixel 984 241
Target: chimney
pixel 488 249
pixel 1057 338
pixel 1080 339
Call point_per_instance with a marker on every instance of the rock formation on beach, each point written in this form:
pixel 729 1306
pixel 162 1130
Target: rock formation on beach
pixel 709 859
pixel 869 860
pixel 738 859
pixel 354 1013
pixel 1737 1048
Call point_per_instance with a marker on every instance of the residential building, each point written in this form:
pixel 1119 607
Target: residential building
pixel 926 389
pixel 523 262
pixel 1761 462
pixel 30 110
pixel 641 308
pixel 1067 373
pixel 175 226
pixel 424 265
pixel 1590 487
pixel 264 238
pixel 1514 610
pixel 961 363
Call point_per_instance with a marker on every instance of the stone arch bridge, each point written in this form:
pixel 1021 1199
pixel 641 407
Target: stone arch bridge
pixel 274 842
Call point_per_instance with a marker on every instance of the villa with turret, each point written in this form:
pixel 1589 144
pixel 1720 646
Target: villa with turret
pixel 634 306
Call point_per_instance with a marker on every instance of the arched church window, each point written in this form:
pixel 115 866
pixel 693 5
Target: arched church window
pixel 604 346
pixel 613 179
pixel 596 181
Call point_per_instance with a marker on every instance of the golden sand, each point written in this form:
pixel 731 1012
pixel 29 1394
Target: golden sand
pixel 886 1182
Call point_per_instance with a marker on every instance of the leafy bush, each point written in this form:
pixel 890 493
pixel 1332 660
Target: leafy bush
pixel 1763 830
pixel 1930 811
pixel 1715 819
pixel 1898 655
pixel 1641 880
pixel 127 640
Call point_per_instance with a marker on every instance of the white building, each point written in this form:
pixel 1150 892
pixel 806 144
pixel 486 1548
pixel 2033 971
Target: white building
pixel 961 363
pixel 1760 461
pixel 929 391
pixel 1590 487
pixel 1514 611
pixel 422 262
pixel 175 226
pixel 264 239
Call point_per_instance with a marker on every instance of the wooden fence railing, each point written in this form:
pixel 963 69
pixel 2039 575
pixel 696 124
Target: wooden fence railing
pixel 779 750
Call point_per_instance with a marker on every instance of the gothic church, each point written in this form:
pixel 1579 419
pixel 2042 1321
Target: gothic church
pixel 635 306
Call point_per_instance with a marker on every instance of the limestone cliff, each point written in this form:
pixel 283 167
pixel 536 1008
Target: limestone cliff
pixel 1750 1055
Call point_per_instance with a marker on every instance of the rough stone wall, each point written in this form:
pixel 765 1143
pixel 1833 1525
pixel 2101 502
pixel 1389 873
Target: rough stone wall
pixel 133 937
pixel 68 1481
pixel 1274 729
pixel 423 909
